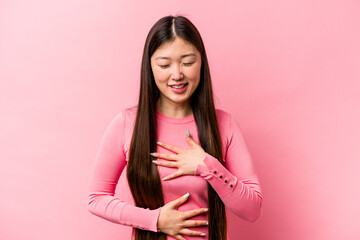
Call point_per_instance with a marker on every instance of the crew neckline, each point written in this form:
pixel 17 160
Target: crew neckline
pixel 162 116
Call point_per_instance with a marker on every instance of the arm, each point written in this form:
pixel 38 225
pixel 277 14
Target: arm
pixel 109 164
pixel 236 183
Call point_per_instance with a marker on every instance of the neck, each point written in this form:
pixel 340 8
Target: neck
pixel 175 110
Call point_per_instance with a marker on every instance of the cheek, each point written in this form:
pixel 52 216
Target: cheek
pixel 158 76
pixel 194 73
pixel 161 78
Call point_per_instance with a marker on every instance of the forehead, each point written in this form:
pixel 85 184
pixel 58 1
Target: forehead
pixel 175 49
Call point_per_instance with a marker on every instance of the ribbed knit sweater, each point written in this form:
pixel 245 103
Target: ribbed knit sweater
pixel 235 182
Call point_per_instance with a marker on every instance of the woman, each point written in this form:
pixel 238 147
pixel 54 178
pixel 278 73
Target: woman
pixel 185 159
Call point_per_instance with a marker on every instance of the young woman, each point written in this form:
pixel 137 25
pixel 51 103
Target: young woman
pixel 185 160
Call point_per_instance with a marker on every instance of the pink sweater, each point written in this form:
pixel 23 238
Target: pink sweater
pixel 236 183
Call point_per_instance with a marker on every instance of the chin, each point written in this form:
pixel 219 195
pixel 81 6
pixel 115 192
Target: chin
pixel 177 100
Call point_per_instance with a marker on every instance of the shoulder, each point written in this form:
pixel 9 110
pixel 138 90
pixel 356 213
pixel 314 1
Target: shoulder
pixel 130 112
pixel 224 122
pixel 125 115
pixel 222 113
pixel 228 125
pixel 226 118
pixel 223 117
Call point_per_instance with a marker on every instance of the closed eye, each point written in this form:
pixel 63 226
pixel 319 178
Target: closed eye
pixel 188 64
pixel 164 66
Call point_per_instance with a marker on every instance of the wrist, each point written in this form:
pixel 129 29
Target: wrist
pixel 202 161
pixel 157 222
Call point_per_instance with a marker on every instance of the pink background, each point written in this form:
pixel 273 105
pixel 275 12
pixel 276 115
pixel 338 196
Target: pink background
pixel 288 71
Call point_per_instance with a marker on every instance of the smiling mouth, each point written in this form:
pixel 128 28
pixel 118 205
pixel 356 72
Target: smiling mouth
pixel 179 86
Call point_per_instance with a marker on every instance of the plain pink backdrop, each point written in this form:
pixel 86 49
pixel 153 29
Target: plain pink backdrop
pixel 289 72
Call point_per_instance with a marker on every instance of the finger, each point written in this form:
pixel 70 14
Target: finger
pixel 170 147
pixel 174 175
pixel 190 141
pixel 192 213
pixel 177 202
pixel 180 237
pixel 167 156
pixel 166 163
pixel 189 232
pixel 194 223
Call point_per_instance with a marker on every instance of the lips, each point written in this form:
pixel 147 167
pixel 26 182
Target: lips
pixel 178 86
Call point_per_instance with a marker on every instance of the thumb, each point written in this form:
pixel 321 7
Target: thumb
pixel 181 200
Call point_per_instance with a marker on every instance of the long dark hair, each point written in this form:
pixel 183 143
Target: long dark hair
pixel 142 174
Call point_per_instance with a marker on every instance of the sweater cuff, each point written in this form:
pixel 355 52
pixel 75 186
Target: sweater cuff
pixel 216 173
pixel 146 219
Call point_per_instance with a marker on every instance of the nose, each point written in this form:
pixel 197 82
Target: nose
pixel 177 73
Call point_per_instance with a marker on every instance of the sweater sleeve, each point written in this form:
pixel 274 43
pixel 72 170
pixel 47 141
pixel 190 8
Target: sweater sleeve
pixel 236 182
pixel 109 163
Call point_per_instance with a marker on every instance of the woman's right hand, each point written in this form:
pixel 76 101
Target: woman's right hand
pixel 174 223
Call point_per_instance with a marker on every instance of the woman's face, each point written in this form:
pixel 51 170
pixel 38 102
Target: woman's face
pixel 176 63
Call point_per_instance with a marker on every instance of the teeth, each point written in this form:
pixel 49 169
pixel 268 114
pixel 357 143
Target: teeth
pixel 178 87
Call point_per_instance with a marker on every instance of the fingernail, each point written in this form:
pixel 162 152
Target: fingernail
pixel 153 154
pixel 202 234
pixel 206 209
pixel 186 195
pixel 159 143
pixel 164 178
pixel 154 161
pixel 188 133
pixel 207 223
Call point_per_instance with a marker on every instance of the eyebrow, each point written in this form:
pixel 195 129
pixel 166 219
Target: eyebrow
pixel 183 56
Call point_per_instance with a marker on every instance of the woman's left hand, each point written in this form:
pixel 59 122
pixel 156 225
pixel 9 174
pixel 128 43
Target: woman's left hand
pixel 186 160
